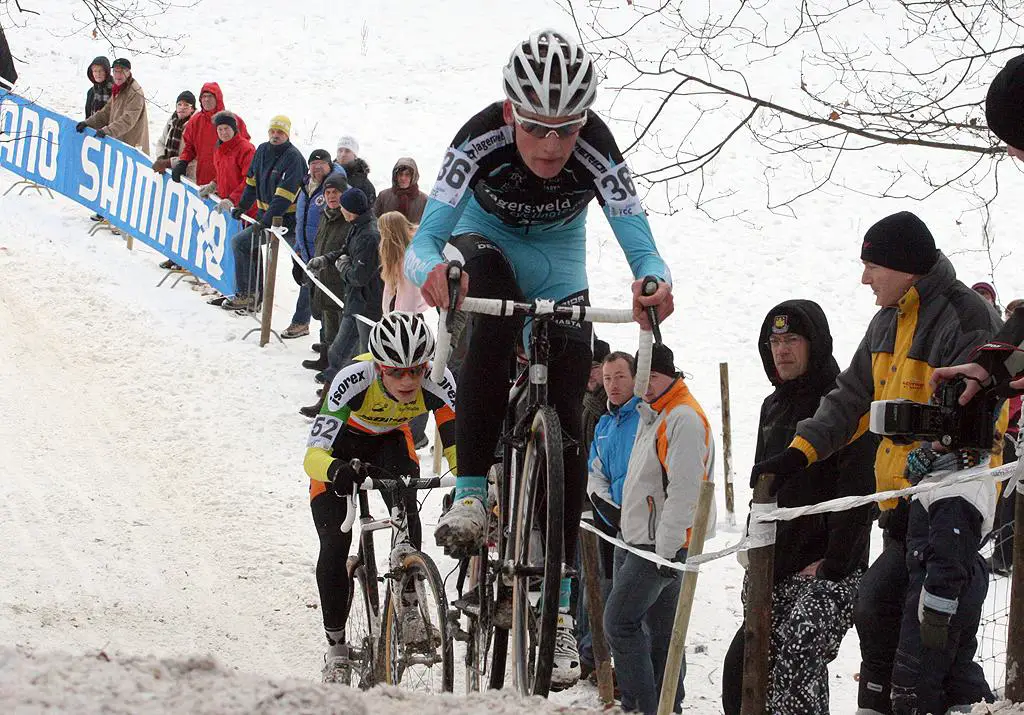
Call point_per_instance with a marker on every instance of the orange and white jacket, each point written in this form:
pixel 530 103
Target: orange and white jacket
pixel 673 453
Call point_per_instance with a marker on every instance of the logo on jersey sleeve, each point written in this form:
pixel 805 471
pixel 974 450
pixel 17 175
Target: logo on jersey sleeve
pixel 346 381
pixel 453 179
pixel 480 146
pixel 613 183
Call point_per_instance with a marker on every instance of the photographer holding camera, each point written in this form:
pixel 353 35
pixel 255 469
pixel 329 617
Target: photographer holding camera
pixel 928 319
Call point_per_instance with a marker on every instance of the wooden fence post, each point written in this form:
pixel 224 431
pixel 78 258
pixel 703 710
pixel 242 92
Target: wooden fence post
pixel 591 557
pixel 730 500
pixel 269 281
pixel 757 622
pixel 1015 629
pixel 684 606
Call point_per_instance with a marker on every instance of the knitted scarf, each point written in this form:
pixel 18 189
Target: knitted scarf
pixel 101 94
pixel 405 197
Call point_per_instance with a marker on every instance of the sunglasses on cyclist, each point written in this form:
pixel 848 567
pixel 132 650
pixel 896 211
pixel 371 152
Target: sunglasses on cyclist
pixel 540 130
pixel 415 370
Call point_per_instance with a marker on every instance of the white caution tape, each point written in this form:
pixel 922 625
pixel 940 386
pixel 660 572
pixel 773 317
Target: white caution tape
pixel 761 528
pixel 693 563
pixel 280 232
pixel 939 480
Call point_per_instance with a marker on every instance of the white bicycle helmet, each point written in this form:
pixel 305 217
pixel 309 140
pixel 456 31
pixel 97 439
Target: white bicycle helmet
pixel 401 339
pixel 550 75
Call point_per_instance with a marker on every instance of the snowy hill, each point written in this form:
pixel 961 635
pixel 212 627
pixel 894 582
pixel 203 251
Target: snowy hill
pixel 153 500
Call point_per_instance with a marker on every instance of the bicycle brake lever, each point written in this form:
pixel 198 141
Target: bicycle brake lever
pixel 454 275
pixel 648 288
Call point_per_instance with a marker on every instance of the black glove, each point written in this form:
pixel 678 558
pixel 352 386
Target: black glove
pixel 178 171
pixel 317 263
pixel 343 476
pixel 236 213
pixel 607 512
pixel 782 465
pixel 934 628
pixel 100 134
pixel 298 275
pixel 80 127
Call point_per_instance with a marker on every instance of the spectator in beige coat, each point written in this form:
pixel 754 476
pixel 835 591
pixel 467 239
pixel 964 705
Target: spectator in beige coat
pixel 124 116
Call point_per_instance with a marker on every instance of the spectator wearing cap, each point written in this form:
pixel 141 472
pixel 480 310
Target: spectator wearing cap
pixel 102 85
pixel 595 400
pixel 273 182
pixel 1004 106
pixel 819 559
pixel 331 240
pixel 168 146
pixel 672 455
pixel 404 195
pixel 309 209
pixel 200 139
pixel 124 117
pixel 358 171
pixel 359 269
pixel 927 319
pixel 986 291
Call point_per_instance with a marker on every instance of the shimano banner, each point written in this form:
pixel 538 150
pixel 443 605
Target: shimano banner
pixel 116 181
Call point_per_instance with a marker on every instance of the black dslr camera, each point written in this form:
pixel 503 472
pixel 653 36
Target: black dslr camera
pixel 955 426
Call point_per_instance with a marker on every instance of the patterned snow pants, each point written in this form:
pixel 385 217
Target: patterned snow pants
pixel 810 616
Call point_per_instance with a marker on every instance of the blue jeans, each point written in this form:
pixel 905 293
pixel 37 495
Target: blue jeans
pixel 352 339
pixel 638 622
pixel 248 268
pixel 303 306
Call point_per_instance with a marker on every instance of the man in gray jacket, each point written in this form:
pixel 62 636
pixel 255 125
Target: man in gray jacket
pixel 928 319
pixel 673 453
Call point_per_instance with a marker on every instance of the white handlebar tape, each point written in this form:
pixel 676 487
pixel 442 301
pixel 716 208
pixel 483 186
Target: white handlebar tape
pixel 442 349
pixel 643 363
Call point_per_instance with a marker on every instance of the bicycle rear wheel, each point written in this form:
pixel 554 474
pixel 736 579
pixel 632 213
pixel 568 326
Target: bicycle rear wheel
pixel 361 632
pixel 417 649
pixel 534 619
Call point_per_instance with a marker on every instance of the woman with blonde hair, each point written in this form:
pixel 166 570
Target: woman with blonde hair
pixel 395 235
pixel 399 293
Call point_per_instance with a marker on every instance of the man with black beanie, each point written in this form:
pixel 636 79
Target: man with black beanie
pixel 168 146
pixel 928 319
pixel 358 265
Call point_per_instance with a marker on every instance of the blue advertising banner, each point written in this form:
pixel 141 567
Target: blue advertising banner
pixel 116 181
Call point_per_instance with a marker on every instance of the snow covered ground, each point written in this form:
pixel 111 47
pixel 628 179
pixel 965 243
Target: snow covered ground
pixel 153 504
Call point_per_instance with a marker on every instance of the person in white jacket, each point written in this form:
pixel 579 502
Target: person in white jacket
pixel 673 453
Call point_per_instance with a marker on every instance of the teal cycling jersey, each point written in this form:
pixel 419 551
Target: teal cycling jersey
pixel 485 187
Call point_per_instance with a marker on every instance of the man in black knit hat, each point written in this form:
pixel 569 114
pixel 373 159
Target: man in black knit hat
pixel 928 319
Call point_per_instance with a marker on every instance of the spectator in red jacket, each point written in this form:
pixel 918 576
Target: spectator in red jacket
pixel 232 158
pixel 200 139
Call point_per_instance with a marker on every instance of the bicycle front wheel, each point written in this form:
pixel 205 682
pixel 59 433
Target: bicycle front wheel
pixel 361 632
pixel 417 649
pixel 537 555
